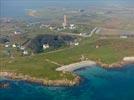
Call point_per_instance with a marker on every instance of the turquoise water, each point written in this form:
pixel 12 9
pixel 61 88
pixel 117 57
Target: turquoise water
pixel 97 84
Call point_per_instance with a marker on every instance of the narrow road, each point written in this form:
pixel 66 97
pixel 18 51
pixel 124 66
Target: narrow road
pixel 90 35
pixel 93 31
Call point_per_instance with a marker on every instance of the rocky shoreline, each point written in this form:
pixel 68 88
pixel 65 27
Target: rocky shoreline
pixel 46 82
pixel 123 62
pixel 115 65
pixel 87 63
pixel 62 82
pixel 4 85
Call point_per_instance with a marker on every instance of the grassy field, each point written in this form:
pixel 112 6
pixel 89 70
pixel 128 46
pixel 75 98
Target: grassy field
pixel 109 51
pixel 1 51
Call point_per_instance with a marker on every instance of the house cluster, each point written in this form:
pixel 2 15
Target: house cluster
pixel 47 46
pixel 18 32
pixel 24 51
pixel 74 43
pixel 57 28
pixel 17 46
pixel 72 26
pixel 50 27
pixel 65 25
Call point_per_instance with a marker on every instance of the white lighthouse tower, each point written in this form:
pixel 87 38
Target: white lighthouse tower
pixel 65 22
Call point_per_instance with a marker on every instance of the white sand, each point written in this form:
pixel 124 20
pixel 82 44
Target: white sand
pixel 128 59
pixel 75 66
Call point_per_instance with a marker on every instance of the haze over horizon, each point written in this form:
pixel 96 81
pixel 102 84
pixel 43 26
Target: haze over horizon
pixel 10 7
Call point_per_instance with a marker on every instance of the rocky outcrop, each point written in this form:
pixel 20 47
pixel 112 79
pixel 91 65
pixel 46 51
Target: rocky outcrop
pixel 115 65
pixel 4 85
pixel 62 82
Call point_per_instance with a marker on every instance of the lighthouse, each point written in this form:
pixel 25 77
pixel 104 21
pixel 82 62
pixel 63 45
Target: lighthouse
pixel 65 22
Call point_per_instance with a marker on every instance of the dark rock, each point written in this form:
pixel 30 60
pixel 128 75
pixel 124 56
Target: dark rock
pixel 4 85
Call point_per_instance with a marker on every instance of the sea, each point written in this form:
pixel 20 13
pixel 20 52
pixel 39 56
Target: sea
pixel 18 8
pixel 97 84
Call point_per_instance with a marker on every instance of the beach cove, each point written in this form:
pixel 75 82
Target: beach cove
pixel 66 68
pixel 98 83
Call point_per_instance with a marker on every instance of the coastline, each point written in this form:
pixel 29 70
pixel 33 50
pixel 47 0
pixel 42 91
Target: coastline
pixel 114 65
pixel 88 63
pixel 42 81
pixel 70 68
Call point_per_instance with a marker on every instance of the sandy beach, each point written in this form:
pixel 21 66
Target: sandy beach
pixel 75 66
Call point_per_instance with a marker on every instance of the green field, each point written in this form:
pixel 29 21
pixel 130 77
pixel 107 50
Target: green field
pixel 109 51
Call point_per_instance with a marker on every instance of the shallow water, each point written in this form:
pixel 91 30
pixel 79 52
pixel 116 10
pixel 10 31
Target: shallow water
pixel 97 84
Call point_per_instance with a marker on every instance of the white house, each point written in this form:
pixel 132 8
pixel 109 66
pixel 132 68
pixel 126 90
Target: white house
pixel 25 52
pixel 17 32
pixel 72 26
pixel 45 46
pixel 6 45
pixel 51 28
pixel 14 45
pixel 22 48
pixel 76 44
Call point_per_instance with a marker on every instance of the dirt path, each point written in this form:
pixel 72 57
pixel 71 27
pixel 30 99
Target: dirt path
pixel 53 62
